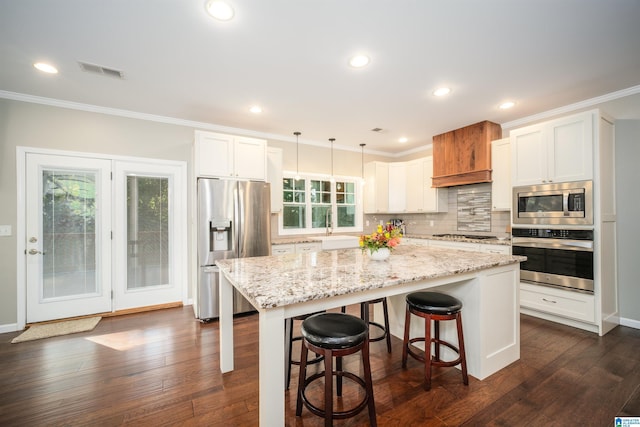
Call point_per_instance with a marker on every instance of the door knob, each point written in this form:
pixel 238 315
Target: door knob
pixel 34 252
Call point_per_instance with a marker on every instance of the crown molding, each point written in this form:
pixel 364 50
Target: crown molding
pixel 589 103
pixel 178 122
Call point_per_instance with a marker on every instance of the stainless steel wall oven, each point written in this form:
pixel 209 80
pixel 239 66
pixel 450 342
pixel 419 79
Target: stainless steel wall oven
pixel 558 258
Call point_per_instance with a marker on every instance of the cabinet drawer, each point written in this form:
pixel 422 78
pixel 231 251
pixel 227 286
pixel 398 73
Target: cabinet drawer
pixel 569 304
pixel 283 249
pixel 308 247
pixel 496 249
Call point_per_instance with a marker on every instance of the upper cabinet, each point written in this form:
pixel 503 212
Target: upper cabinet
pixel 274 177
pixel 397 187
pixel 228 156
pixel 376 189
pixel 402 187
pixel 501 175
pixel 463 156
pixel 556 151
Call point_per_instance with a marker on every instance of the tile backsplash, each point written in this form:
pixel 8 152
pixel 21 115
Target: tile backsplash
pixel 459 219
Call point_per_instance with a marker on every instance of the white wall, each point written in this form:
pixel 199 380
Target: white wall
pixel 628 209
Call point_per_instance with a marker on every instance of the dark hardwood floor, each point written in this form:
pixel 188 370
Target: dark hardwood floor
pixel 161 368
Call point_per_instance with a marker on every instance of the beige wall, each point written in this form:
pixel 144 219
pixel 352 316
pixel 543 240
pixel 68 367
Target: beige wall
pixel 40 126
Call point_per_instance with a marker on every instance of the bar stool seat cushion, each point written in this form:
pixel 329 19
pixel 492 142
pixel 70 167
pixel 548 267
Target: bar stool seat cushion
pixel 434 303
pixel 334 330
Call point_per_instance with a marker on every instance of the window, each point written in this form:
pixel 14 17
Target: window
pixel 311 203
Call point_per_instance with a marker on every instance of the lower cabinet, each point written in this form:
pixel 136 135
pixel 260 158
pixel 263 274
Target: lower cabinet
pixel 296 248
pixel 558 302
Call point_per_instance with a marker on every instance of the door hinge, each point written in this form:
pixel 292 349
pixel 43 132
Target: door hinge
pixel 112 235
pixel 112 295
pixel 111 175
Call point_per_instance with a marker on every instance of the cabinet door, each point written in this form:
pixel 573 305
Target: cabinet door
pixel 376 189
pixel 528 156
pixel 213 154
pixel 250 158
pixel 570 148
pixel 415 183
pixel 274 177
pixel 501 175
pixel 397 185
pixel 435 199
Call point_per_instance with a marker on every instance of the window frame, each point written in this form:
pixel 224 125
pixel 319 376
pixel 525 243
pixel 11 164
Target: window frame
pixel 309 230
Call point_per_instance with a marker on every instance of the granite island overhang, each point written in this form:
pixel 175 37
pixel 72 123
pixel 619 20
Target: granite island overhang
pixel 290 285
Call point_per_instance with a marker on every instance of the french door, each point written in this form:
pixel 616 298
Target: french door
pixel 102 235
pixel 68 226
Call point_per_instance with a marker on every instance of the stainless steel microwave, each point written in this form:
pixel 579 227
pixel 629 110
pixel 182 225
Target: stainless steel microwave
pixel 567 203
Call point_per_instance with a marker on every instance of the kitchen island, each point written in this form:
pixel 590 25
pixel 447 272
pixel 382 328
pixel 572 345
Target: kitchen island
pixel 291 285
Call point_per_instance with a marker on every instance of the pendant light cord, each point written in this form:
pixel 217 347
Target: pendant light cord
pixel 362 160
pixel 332 140
pixel 297 134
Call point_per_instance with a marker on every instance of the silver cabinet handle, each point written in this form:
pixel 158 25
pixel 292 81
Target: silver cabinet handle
pixel 35 252
pixel 548 300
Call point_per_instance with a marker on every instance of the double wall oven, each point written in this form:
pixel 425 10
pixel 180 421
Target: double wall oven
pixel 553 228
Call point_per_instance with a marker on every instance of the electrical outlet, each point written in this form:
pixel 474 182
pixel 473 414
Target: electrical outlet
pixel 431 223
pixel 367 223
pixel 5 230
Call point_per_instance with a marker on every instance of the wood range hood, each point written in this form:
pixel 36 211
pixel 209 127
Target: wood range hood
pixel 463 156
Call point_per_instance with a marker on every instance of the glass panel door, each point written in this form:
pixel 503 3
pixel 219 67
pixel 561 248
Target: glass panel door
pixel 68 241
pixel 147 231
pixel 150 234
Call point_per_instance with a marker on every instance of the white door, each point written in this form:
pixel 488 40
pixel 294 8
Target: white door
pixel 149 234
pixel 68 226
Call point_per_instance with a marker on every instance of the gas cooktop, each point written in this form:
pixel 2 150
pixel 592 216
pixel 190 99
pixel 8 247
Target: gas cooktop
pixel 464 236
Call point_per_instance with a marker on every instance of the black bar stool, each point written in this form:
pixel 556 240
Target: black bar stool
pixel 335 335
pixel 434 306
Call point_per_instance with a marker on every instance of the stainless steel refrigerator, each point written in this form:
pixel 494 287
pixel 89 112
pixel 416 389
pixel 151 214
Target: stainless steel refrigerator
pixel 233 222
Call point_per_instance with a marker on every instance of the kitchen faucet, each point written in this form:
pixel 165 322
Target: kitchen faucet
pixel 328 223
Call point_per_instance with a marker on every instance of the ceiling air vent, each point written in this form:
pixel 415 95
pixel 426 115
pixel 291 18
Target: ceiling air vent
pixel 99 69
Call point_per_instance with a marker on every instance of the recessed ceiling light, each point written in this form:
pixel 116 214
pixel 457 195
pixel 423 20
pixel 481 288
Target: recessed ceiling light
pixel 403 140
pixel 359 61
pixel 507 105
pixel 256 109
pixel 219 9
pixel 442 91
pixel 45 68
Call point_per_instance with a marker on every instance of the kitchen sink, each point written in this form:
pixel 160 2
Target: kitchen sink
pixel 337 242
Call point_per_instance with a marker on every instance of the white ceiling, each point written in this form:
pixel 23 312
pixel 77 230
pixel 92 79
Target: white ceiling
pixel 290 56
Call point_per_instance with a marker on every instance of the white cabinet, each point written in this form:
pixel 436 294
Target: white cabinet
pixel 557 302
pixel 289 248
pixel 435 199
pixel 501 175
pixel 376 189
pixel 228 156
pixel 274 177
pixel 295 248
pixel 403 187
pixel 397 187
pixel 463 246
pixel 560 150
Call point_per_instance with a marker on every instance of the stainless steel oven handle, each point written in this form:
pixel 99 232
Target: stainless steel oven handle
pixel 571 245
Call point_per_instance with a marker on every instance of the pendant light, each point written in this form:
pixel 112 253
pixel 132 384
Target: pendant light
pixel 297 134
pixel 332 140
pixel 362 163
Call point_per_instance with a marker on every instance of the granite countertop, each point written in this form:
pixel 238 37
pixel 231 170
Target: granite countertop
pixel 450 238
pixel 282 280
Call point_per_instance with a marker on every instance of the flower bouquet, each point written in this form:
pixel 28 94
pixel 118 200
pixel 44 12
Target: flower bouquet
pixel 378 245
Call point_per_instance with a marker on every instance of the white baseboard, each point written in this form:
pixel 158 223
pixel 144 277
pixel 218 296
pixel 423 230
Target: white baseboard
pixel 12 327
pixel 630 323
